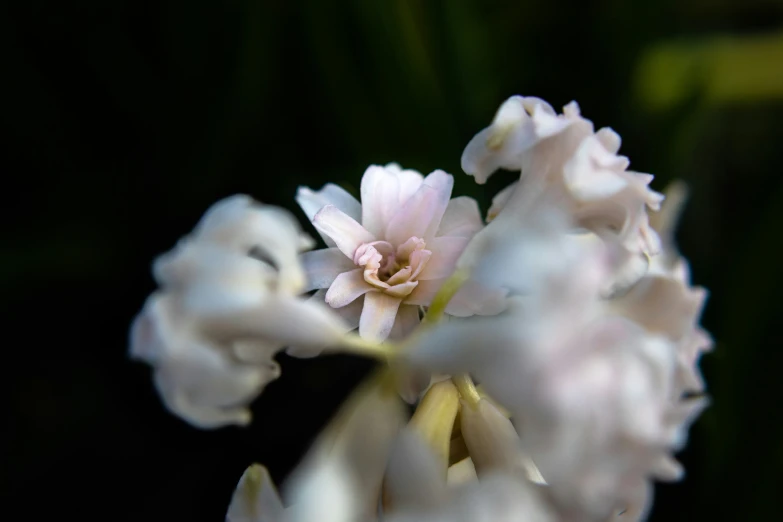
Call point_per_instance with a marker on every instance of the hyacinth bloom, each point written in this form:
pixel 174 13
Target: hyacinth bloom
pixel 227 304
pixel 571 306
pixel 594 383
pixel 577 165
pixel 390 254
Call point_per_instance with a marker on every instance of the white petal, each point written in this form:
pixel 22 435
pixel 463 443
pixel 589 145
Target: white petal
pixel 344 230
pixel 475 299
pixel 347 287
pixel 255 498
pixel 609 139
pixel 199 383
pixel 502 143
pixel 593 172
pixel 445 253
pixel 286 319
pixel 424 292
pixel 500 200
pixel 462 218
pixel 242 225
pixel 349 314
pixel 414 479
pixel 330 194
pixel 323 266
pixel 378 316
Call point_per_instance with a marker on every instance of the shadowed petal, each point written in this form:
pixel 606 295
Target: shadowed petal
pixel 323 266
pixel 255 498
pixel 346 232
pixel 346 288
pixel 378 315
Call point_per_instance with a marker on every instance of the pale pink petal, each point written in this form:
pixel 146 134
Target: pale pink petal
pixel 401 276
pixel 418 261
pixel 380 192
pixel 462 218
pixel 383 190
pixel 344 230
pixel 402 289
pixel 445 252
pixel 410 181
pixel 346 288
pixel 424 292
pixel 421 215
pixel 323 266
pixel 378 315
pixel 311 202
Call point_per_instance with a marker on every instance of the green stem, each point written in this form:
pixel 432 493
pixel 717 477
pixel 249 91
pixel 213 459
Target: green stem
pixel 353 343
pixel 444 295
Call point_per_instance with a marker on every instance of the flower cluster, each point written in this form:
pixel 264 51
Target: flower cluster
pixel 570 306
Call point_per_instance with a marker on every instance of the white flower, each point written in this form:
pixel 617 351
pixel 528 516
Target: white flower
pixel 394 251
pixel 560 154
pixel 227 305
pixel 593 394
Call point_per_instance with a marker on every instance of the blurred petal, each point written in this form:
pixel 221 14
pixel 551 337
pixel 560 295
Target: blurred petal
pixel 255 498
pixel 462 218
pixel 323 266
pixel 493 442
pixel 414 479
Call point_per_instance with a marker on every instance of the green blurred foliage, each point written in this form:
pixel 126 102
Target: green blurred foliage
pixel 127 119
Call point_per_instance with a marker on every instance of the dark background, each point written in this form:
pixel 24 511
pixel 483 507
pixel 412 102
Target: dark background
pixel 127 119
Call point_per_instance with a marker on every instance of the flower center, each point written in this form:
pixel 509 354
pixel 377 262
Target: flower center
pixel 392 270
